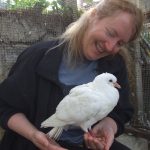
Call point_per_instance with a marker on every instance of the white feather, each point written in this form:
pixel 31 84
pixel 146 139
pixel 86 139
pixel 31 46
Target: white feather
pixel 85 105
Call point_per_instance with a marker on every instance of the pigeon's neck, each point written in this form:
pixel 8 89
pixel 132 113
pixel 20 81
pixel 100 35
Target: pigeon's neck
pixel 102 86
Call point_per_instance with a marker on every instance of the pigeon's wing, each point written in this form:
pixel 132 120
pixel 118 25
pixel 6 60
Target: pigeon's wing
pixel 78 90
pixel 79 108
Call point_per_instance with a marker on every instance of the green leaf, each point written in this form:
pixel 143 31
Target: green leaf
pixel 88 1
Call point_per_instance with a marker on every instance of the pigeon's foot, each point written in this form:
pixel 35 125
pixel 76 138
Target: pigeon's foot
pixel 91 133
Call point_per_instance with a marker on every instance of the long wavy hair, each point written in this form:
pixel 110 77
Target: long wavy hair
pixel 74 34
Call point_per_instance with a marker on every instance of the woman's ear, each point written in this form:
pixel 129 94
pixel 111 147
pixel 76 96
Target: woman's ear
pixel 92 15
pixel 93 12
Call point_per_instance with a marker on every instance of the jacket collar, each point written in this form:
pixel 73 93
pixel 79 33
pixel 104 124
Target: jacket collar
pixel 48 67
pixel 49 64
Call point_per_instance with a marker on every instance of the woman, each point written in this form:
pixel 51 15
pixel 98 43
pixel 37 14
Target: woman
pixel 44 73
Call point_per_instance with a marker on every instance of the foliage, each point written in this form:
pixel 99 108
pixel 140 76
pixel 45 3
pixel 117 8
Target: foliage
pixel 59 6
pixel 23 4
pixel 88 1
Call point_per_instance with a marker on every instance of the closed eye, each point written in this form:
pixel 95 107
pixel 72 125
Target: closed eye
pixel 111 33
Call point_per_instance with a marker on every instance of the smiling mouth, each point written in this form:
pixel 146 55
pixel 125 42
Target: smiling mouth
pixel 99 47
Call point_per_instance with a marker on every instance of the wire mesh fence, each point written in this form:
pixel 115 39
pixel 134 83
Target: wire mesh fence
pixel 142 75
pixel 21 28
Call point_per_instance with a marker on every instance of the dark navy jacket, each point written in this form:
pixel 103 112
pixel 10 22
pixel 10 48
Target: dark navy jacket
pixel 33 88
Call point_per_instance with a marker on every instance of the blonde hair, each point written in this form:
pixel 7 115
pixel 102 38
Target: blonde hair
pixel 75 32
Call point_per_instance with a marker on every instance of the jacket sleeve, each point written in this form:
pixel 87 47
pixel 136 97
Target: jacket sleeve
pixel 17 91
pixel 123 112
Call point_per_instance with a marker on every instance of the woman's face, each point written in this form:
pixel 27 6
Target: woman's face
pixel 106 36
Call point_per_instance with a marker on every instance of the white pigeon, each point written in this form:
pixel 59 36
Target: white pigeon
pixel 84 105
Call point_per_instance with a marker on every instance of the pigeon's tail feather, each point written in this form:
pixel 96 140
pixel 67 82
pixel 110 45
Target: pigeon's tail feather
pixel 55 133
pixel 52 121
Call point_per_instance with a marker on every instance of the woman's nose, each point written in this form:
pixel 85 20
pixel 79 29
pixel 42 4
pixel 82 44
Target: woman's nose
pixel 111 46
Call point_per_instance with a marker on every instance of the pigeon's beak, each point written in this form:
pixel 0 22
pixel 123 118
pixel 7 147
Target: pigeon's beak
pixel 117 85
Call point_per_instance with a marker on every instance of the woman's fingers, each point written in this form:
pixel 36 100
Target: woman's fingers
pixel 93 142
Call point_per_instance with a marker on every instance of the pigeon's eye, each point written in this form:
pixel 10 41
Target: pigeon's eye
pixel 110 80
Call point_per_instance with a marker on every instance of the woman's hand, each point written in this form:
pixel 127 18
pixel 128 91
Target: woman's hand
pixel 44 143
pixel 21 125
pixel 102 135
